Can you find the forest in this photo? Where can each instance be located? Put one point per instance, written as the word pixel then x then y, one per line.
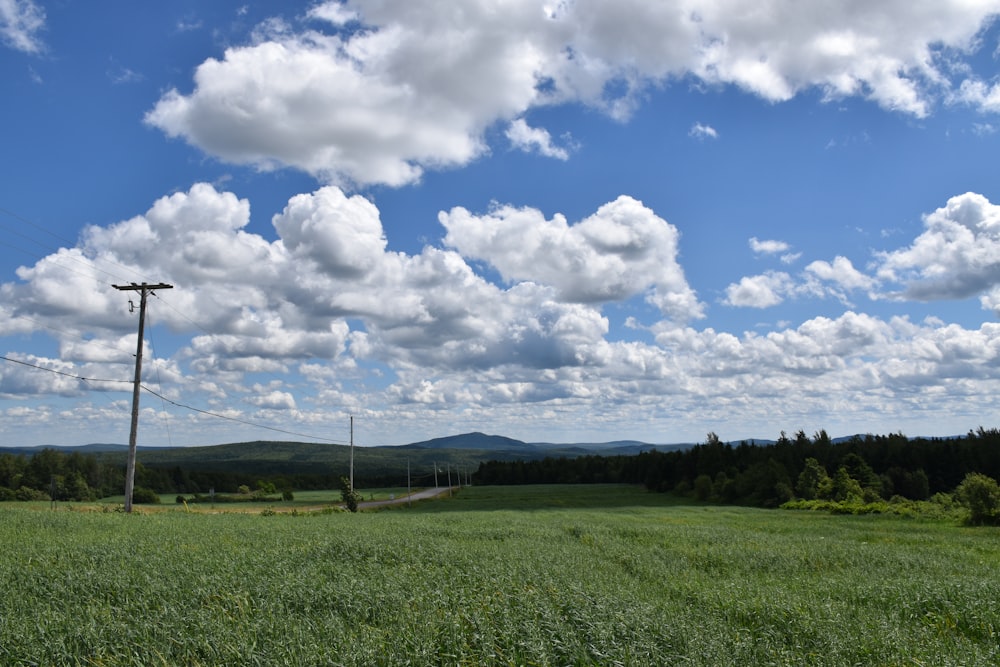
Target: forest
pixel 870 467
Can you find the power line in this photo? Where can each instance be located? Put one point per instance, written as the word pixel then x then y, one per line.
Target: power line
pixel 241 421
pixel 52 370
pixel 70 245
pixel 26 221
pixel 181 405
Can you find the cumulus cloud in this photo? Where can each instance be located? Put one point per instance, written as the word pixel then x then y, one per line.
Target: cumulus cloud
pixel 623 250
pixel 957 255
pixel 531 139
pixel 408 335
pixel 272 400
pixel 819 279
pixel 258 306
pixel 762 291
pixel 768 247
pixel 773 247
pixel 370 92
pixel 840 276
pixel 343 235
pixel 20 23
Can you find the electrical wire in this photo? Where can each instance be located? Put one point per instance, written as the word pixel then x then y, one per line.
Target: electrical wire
pixel 241 421
pixel 92 267
pixel 156 367
pixel 180 405
pixel 52 370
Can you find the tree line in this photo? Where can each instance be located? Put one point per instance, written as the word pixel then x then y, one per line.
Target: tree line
pixel 53 474
pixel 870 467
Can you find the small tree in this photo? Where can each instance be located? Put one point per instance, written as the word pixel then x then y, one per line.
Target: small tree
pixel 350 497
pixel 981 495
pixel 145 496
pixel 845 487
pixel 813 481
pixel 702 487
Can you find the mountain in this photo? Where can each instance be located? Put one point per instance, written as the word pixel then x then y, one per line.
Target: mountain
pixel 473 440
pixel 447 455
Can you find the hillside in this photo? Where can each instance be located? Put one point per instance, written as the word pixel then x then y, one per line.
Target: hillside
pixel 458 453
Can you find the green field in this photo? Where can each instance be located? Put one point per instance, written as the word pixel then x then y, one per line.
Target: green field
pixel 497 575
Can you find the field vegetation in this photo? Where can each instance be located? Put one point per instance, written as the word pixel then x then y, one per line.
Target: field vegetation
pixel 877 470
pixel 526 575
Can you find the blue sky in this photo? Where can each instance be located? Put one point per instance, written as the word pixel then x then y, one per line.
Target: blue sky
pixel 552 220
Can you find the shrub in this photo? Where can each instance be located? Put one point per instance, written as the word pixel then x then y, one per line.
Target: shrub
pixel 24 493
pixel 145 496
pixel 981 495
pixel 350 496
pixel 702 487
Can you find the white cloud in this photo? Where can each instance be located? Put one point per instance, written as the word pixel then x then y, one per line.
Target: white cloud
pixel 534 139
pixel 20 23
pixel 415 337
pixel 699 131
pixel 343 235
pixel 957 256
pixel 20 381
pixel 841 273
pixel 418 86
pixel 819 279
pixel 623 250
pixel 335 13
pixel 256 306
pixel 762 291
pixel 768 247
pixel 979 94
pixel 273 400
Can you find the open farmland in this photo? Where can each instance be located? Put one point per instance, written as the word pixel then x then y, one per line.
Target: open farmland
pixel 497 575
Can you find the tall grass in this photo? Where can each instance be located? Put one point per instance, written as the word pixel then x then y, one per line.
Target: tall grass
pixel 543 576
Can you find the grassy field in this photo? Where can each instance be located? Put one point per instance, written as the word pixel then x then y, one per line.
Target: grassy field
pixel 303 501
pixel 497 576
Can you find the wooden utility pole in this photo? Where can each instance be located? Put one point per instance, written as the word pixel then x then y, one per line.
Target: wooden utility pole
pixel 143 290
pixel 352 453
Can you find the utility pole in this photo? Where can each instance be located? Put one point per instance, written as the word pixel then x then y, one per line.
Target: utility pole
pixel 352 453
pixel 143 290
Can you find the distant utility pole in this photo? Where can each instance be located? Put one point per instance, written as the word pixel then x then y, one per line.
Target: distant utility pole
pixel 143 290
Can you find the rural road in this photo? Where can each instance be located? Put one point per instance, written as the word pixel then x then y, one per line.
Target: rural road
pixel 433 492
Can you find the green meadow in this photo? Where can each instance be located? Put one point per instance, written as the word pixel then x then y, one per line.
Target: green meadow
pixel 542 575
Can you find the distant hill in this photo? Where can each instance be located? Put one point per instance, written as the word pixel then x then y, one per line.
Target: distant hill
pixel 473 440
pixel 457 453
pixel 463 452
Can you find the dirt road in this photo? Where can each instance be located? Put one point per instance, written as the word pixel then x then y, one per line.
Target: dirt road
pixel 433 492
